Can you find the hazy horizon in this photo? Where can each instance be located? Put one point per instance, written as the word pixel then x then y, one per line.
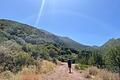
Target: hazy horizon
pixel 88 22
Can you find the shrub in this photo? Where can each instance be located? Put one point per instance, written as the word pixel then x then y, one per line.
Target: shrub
pixel 112 59
pixel 53 53
pixel 23 59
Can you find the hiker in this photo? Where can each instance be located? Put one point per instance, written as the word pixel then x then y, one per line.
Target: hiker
pixel 55 61
pixel 70 65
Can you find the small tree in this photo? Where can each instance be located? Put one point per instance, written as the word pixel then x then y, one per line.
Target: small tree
pixel 53 53
pixel 96 59
pixel 84 56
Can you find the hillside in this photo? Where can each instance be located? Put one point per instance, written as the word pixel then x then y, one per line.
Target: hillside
pixel 111 43
pixel 23 34
pixel 22 44
pixel 73 44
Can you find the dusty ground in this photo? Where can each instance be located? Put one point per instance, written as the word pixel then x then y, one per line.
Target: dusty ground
pixel 62 73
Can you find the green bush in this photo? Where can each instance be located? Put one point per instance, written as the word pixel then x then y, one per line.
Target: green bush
pixel 112 59
pixel 3 36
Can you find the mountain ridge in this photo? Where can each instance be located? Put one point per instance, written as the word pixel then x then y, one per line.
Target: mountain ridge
pixel 28 33
pixel 43 36
pixel 111 43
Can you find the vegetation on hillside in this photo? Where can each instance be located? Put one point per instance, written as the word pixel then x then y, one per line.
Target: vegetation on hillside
pixel 23 45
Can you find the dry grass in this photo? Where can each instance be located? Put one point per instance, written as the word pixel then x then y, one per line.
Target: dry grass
pixel 87 75
pixel 46 67
pixel 102 74
pixel 93 71
pixel 105 75
pixel 29 73
pixel 7 75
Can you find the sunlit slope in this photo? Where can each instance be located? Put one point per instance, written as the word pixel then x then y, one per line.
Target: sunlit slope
pixel 28 34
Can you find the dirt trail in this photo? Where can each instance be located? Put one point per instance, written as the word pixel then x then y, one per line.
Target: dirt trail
pixel 61 73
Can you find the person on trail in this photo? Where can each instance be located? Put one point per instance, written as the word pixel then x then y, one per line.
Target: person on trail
pixel 55 61
pixel 69 65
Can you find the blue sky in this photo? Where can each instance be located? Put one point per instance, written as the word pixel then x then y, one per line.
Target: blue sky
pixel 90 22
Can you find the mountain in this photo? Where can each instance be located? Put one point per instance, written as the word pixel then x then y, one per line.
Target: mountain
pixel 111 43
pixel 23 34
pixel 69 43
pixel 22 44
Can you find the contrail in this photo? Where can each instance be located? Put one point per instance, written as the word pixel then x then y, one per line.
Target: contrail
pixel 40 13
